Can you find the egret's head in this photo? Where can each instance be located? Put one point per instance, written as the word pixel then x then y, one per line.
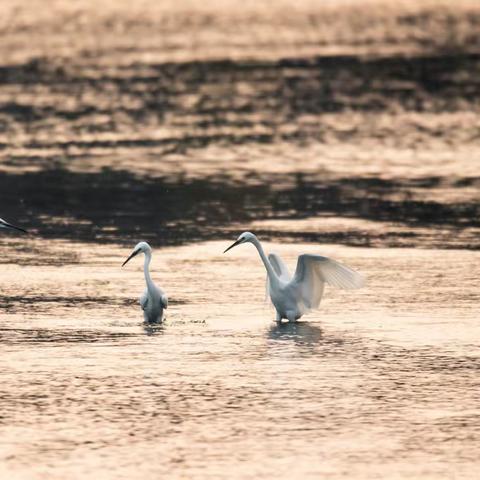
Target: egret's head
pixel 242 238
pixel 4 224
pixel 139 247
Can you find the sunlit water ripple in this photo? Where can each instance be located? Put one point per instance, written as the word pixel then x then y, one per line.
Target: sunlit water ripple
pixel 371 382
pixel 334 129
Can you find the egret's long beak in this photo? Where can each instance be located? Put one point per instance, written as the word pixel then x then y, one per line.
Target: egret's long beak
pixel 136 252
pixel 13 227
pixel 238 242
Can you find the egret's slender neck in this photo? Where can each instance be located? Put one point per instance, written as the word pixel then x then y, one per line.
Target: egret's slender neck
pixel 146 269
pixel 271 272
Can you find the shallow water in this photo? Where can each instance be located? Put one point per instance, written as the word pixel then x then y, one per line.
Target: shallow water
pixel 342 130
pixel 380 382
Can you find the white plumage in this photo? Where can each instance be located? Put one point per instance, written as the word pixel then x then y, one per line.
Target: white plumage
pixel 294 296
pixel 153 300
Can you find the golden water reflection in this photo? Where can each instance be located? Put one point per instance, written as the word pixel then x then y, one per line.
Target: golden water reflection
pixel 378 378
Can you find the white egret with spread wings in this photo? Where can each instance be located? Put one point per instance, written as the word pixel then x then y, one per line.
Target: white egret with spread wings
pixel 154 300
pixel 294 296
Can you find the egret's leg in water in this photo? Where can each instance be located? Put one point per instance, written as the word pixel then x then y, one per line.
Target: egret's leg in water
pixel 291 316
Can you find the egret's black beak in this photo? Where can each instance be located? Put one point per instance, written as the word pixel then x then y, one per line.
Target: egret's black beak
pixel 136 252
pixel 13 227
pixel 238 242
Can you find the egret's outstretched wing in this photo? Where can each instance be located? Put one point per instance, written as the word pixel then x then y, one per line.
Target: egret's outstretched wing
pixel 313 271
pixel 279 266
pixel 280 269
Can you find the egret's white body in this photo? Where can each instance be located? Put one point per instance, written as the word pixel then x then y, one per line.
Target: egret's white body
pixel 4 224
pixel 154 300
pixel 294 296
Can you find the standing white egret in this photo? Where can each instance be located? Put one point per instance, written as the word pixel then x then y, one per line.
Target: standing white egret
pixel 4 224
pixel 154 300
pixel 293 297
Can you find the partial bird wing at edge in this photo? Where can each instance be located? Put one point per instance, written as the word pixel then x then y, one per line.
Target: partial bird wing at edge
pixel 280 269
pixel 313 271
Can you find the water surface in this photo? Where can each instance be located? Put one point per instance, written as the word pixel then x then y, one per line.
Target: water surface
pixel 342 130
pixel 381 380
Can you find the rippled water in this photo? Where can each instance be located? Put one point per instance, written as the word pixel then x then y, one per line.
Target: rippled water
pixel 121 123
pixel 381 382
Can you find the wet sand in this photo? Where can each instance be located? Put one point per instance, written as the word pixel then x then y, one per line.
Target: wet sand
pixel 341 130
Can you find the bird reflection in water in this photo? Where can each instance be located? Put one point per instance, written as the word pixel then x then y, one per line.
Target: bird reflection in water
pixel 152 328
pixel 300 333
